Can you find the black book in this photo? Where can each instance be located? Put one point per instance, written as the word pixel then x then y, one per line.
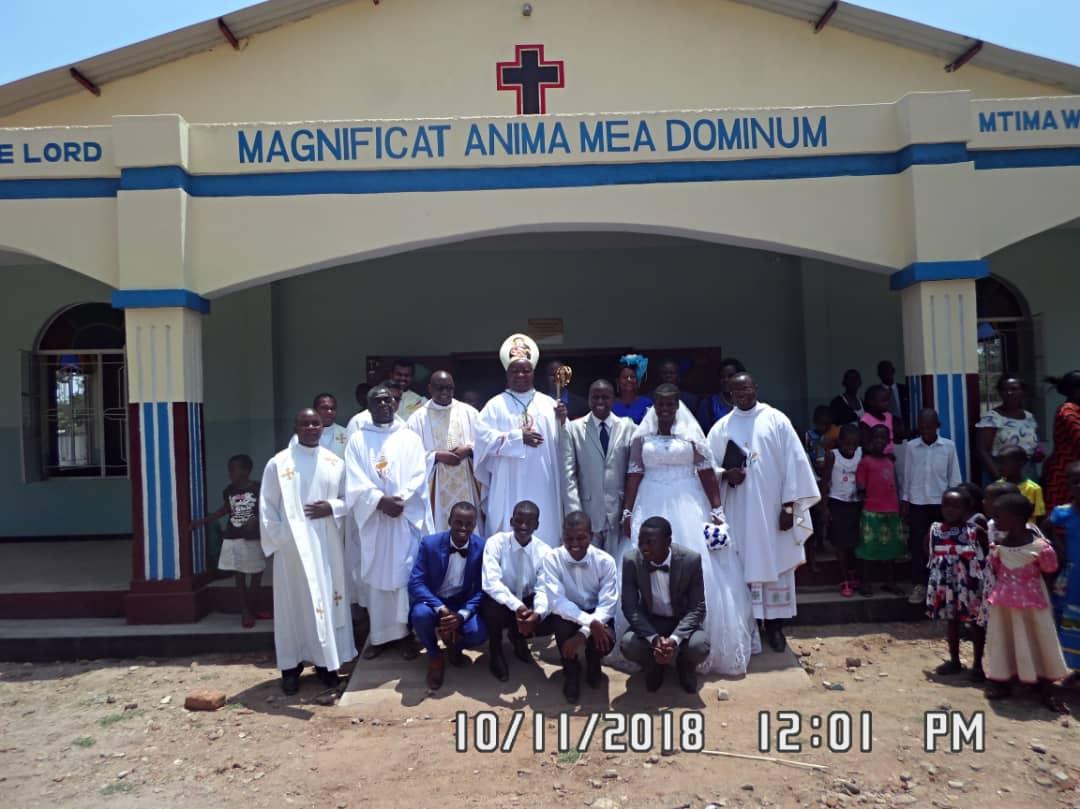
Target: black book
pixel 734 456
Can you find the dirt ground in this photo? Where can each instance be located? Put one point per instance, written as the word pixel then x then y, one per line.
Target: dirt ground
pixel 115 734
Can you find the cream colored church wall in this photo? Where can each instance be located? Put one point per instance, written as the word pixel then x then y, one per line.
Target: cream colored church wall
pixel 412 58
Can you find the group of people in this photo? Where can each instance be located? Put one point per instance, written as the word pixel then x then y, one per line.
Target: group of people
pixel 979 556
pixel 641 536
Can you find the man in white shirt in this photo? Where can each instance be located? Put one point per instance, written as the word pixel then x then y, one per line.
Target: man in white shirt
pixel 931 467
pixel 581 586
pixel 445 593
pixel 513 599
pixel 663 599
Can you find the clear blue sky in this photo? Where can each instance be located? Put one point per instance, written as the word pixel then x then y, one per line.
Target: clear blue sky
pixel 42 34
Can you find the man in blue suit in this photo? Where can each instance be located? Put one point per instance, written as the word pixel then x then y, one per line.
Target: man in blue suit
pixel 445 589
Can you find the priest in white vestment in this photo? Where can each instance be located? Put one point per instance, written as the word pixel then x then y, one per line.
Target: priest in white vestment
pixel 334 437
pixel 301 507
pixel 517 445
pixel 447 427
pixel 386 494
pixel 767 487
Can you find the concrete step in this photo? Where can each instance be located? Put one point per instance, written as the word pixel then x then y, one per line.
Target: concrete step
pixel 823 605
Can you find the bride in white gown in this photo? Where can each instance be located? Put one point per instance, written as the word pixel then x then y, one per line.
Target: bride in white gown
pixel 671 476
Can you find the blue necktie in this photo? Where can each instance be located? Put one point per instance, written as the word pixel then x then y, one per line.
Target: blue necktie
pixel 604 437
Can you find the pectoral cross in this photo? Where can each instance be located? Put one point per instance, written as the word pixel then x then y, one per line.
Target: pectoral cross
pixel 289 473
pixel 337 598
pixel 341 438
pixel 320 611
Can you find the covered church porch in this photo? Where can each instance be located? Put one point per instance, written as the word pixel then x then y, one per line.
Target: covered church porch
pixel 797 322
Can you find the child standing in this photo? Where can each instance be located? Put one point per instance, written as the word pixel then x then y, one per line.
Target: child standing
pixel 877 414
pixel 881 534
pixel 931 468
pixel 1021 635
pixel 1012 461
pixel 841 507
pixel 817 442
pixel 956 551
pixel 1065 521
pixel 240 548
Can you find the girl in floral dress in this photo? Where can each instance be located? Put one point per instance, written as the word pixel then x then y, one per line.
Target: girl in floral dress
pixel 956 553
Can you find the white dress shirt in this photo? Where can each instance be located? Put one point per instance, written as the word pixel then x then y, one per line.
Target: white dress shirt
pixel 581 592
pixel 929 469
pixel 661 588
pixel 512 571
pixel 454 580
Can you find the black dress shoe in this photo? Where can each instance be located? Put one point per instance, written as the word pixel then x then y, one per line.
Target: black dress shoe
pixel 330 679
pixel 654 677
pixel 774 634
pixel 571 681
pixel 497 663
pixel 409 648
pixel 521 650
pixel 290 681
pixel 688 678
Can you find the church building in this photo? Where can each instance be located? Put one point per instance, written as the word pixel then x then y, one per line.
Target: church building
pixel 201 231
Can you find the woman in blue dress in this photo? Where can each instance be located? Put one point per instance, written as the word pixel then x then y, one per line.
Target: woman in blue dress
pixel 1065 521
pixel 628 401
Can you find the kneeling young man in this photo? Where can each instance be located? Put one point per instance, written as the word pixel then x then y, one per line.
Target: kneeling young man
pixel 582 590
pixel 663 598
pixel 445 592
pixel 513 598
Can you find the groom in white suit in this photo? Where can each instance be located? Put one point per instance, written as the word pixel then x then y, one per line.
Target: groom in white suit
pixel 596 451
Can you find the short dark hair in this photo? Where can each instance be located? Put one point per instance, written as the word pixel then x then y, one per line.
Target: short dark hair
pixel 961 492
pixel 1015 504
pixel 1006 378
pixel 403 363
pixel 318 396
pixel 378 389
pixel 1066 384
pixel 243 460
pixel 666 389
pixel 850 372
pixel 874 390
pixel 603 383
pixel 732 363
pixel 527 505
pixel 1014 451
pixel 999 488
pixel 878 427
pixel 849 429
pixel 882 365
pixel 657 524
pixel 463 505
pixel 577 518
pixel 361 391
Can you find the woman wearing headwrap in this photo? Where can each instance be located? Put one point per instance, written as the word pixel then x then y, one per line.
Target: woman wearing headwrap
pixel 629 403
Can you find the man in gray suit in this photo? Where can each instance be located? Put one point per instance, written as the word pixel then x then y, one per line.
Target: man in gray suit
pixel 596 451
pixel 663 598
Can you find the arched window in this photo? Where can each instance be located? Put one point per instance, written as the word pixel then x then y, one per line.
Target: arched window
pixel 75 389
pixel 1006 338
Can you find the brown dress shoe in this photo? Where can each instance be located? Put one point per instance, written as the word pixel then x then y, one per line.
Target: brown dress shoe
pixel 436 671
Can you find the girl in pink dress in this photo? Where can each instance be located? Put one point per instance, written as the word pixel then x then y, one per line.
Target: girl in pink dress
pixel 1021 639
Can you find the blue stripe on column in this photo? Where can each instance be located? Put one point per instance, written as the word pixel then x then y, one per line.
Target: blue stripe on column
pixel 150 498
pixel 165 476
pixel 198 495
pixel 915 404
pixel 159 299
pixel 192 499
pixel 959 415
pixel 937 271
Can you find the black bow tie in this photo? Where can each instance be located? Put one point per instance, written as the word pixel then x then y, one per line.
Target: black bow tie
pixel 463 551
pixel 659 568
